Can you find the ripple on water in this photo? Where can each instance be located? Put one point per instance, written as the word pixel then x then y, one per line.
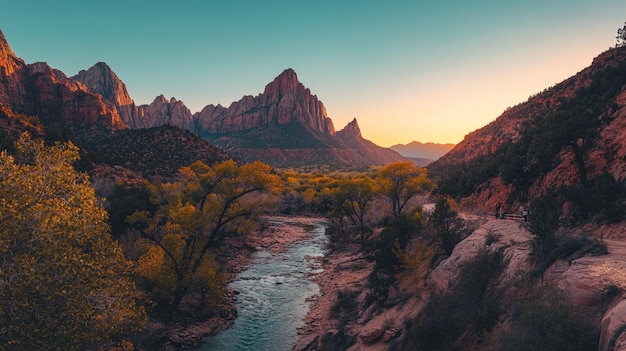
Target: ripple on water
pixel 275 293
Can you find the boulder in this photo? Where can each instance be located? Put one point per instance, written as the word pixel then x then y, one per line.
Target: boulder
pixel 372 335
pixel 390 334
pixel 612 328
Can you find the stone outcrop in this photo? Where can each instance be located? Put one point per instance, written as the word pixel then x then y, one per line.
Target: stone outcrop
pixel 9 62
pixel 612 336
pixel 100 79
pixel 172 112
pixel 284 100
pixel 351 138
pixel 495 235
pixel 39 90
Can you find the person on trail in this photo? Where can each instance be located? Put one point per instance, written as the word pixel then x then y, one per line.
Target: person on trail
pixel 498 206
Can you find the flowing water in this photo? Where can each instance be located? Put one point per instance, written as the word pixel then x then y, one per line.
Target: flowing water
pixel 273 297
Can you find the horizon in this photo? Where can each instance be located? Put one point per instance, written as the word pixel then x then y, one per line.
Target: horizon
pixel 407 72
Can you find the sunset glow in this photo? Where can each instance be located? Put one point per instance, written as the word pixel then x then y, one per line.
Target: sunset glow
pixel 408 71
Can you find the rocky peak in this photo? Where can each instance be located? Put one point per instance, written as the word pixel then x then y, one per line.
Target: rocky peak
pixel 39 90
pixel 286 83
pixel 101 79
pixel 9 62
pixel 172 112
pixel 351 129
pixel 284 100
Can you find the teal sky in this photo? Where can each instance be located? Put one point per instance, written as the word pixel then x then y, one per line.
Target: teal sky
pixel 407 70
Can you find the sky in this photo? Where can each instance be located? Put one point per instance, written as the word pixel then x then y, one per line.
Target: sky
pixel 428 71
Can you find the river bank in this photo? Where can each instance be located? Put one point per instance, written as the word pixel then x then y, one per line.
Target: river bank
pixel 276 235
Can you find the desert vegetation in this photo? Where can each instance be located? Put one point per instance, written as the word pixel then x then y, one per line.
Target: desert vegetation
pixel 161 252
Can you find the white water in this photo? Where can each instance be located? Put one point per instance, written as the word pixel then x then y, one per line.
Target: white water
pixel 273 298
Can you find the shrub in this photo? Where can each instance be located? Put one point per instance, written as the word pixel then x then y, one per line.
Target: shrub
pixel 346 305
pixel 385 248
pixel 547 321
pixel 471 305
pixel 449 228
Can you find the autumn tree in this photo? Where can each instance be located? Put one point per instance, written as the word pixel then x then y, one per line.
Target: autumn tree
pixel 400 182
pixel 194 214
pixel 64 283
pixel 352 199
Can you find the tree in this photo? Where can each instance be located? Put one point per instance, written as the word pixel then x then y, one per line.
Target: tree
pixel 400 182
pixel 543 223
pixel 352 200
pixel 64 283
pixel 447 224
pixel 621 36
pixel 194 214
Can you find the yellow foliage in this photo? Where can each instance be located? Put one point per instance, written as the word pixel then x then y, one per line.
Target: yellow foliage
pixel 193 215
pixel 64 283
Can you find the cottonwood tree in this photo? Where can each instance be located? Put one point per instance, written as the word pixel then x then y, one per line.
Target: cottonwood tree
pixel 400 182
pixel 352 199
pixel 64 283
pixel 194 214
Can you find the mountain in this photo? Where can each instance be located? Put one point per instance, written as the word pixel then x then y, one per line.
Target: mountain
pixel 284 100
pixel 39 90
pixel 287 126
pixel 570 138
pixel 94 110
pixel 100 79
pixel 283 125
pixel 416 149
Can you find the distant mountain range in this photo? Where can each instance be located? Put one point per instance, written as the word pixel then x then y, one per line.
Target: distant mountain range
pixel 425 152
pixel 285 125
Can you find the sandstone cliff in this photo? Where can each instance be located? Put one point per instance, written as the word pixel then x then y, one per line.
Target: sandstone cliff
pixel 284 100
pixel 171 112
pixel 100 79
pixel 39 90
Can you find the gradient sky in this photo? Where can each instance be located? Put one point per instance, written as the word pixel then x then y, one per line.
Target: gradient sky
pixel 429 71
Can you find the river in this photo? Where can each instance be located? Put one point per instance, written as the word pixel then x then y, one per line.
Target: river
pixel 273 296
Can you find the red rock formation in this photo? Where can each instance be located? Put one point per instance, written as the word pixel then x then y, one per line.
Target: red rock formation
pixel 284 100
pixel 9 62
pixel 351 138
pixel 41 91
pixel 172 112
pixel 101 79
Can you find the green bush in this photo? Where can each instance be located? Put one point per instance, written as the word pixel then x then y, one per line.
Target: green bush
pixel 396 235
pixel 449 228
